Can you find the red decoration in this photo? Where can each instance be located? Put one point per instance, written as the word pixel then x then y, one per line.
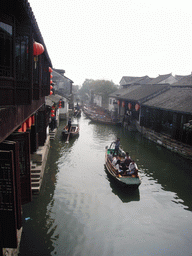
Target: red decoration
pixel 29 122
pixel 33 119
pixel 24 127
pixel 137 107
pixel 51 92
pixel 52 115
pixel 129 106
pixel 51 81
pixel 52 111
pixel 50 69
pixel 38 49
pixel 51 76
pixel 51 87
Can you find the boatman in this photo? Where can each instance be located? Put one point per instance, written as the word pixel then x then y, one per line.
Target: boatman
pixel 117 145
pixel 69 124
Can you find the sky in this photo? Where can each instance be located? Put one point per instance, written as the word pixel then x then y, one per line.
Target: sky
pixel 109 39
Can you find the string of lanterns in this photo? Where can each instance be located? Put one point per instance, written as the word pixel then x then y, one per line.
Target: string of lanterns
pixel 51 76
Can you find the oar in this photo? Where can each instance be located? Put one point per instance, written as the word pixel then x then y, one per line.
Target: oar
pixel 67 141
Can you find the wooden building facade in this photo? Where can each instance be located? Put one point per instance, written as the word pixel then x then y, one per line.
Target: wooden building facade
pixel 24 83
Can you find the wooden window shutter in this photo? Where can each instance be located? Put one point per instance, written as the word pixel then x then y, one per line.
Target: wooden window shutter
pixel 23 139
pixel 14 146
pixel 8 223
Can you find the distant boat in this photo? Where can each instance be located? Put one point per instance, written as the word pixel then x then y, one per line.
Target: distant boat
pixel 77 112
pixel 74 131
pixel 125 181
pixel 99 116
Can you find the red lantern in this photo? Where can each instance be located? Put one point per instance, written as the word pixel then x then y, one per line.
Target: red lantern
pixel 38 49
pixel 29 122
pixel 51 87
pixel 33 120
pixel 129 106
pixel 123 104
pixel 50 70
pixel 52 115
pixel 137 107
pixel 51 76
pixel 51 92
pixel 24 127
pixel 51 81
pixel 52 111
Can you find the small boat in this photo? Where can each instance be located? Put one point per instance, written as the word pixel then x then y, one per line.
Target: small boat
pixel 74 131
pixel 125 181
pixel 102 119
pixel 77 112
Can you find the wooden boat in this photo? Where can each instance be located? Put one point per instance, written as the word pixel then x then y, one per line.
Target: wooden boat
pixel 99 116
pixel 102 119
pixel 74 131
pixel 77 113
pixel 125 181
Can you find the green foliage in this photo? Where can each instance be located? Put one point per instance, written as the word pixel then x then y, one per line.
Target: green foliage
pixel 103 87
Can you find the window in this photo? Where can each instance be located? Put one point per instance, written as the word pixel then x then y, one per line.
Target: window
pixel 21 54
pixel 6 49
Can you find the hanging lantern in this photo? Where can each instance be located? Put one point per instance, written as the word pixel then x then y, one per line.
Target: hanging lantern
pixel 33 119
pixel 137 107
pixel 51 76
pixel 123 104
pixel 38 49
pixel 52 111
pixel 51 81
pixel 51 92
pixel 129 106
pixel 50 70
pixel 29 122
pixel 51 87
pixel 24 127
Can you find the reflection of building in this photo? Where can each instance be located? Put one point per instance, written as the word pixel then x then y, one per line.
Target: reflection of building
pixel 24 83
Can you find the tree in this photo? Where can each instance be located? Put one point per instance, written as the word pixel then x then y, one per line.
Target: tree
pixel 102 87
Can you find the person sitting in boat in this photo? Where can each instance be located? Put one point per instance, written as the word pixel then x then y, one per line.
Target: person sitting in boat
pixel 69 124
pixel 117 145
pixel 114 161
pixel 125 164
pixel 118 166
pixel 110 156
pixel 133 169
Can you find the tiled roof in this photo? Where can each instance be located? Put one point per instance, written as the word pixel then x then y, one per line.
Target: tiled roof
pixel 176 99
pixel 184 81
pixel 160 78
pixel 119 93
pixel 141 93
pixel 134 79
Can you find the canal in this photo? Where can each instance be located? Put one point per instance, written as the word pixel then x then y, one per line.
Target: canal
pixel 81 212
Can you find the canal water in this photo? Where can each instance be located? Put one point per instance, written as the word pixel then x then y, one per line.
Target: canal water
pixel 81 212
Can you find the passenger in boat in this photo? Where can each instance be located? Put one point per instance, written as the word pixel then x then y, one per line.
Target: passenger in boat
pixel 69 124
pixel 114 161
pixel 117 145
pixel 133 169
pixel 125 164
pixel 110 156
pixel 118 166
